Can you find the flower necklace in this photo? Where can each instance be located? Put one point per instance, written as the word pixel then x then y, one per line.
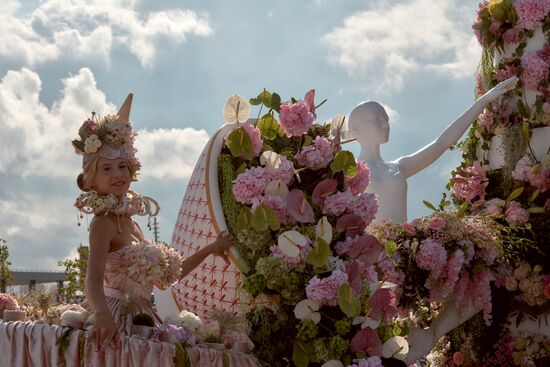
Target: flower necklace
pixel 128 204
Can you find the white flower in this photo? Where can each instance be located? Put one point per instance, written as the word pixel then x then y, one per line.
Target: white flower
pixel 333 363
pixel 366 322
pixel 373 287
pixel 190 321
pixel 70 316
pixel 92 144
pixel 276 188
pixel 290 242
pixel 396 347
pixel 336 263
pixel 236 109
pixel 306 310
pixel 323 230
pixel 338 123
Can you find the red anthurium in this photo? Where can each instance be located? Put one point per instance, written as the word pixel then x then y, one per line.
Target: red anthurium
pixel 322 190
pixel 309 98
pixel 366 341
pixel 355 270
pixel 366 249
pixel 298 207
pixel 383 305
pixel 352 224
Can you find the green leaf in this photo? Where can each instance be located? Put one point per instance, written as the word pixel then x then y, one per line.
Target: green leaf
pixel 534 196
pixel 240 144
pixel 537 269
pixel 349 304
pixel 516 193
pixel 319 255
pixel 308 140
pixel 536 210
pixel 390 247
pixel 526 131
pixel 269 127
pixel 462 209
pixel 429 205
pixel 522 110
pixel 275 102
pixel 344 161
pixel 264 217
pixel 242 168
pixel 245 215
pixel 300 355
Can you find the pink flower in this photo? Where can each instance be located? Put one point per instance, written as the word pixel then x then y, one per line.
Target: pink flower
pixel 298 207
pixel 369 362
pixel 437 223
pixel 365 248
pixel 88 128
pixel 323 189
pixel 383 305
pixel 486 119
pixel 296 118
pixel 494 207
pixel 316 156
pixel 8 302
pixel 366 341
pixel 408 228
pixel 515 214
pixel 325 291
pixel 278 205
pixel 256 137
pixel 337 203
pixel 285 172
pixel 431 256
pixel 547 290
pixel 366 206
pixel 470 182
pixel 249 186
pixel 352 224
pixel 310 100
pixel 522 169
pixel 510 36
pixel 458 358
pixel 530 13
pixel 358 184
pixel 535 71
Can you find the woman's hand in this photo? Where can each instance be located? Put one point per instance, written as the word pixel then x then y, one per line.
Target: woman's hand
pixel 500 89
pixel 104 331
pixel 223 243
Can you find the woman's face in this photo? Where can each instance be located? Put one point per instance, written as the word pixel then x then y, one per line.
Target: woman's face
pixel 112 176
pixel 370 123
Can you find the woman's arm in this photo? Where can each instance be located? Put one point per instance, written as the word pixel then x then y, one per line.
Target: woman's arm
pixel 416 162
pixel 218 248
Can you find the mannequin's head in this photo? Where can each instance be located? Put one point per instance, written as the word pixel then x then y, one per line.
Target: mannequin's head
pixel 368 123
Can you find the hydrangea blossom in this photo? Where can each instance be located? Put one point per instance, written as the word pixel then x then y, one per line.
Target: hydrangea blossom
pixel 530 13
pixel 431 256
pixel 515 214
pixel 336 204
pixel 249 185
pixel 325 291
pixel 316 156
pixel 470 182
pixel 296 118
pixel 358 184
pixel 256 137
pixel 535 70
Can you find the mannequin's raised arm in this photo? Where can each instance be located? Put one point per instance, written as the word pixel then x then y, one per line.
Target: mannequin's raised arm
pixel 416 162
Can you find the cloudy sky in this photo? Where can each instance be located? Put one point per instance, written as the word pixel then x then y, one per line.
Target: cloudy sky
pixel 61 59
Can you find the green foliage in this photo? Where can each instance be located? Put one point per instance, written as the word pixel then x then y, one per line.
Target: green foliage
pixel 268 99
pixel 264 217
pixel 240 144
pixel 271 336
pixel 344 161
pixel 75 273
pixel 307 329
pixel 231 209
pixel 254 284
pixel 349 304
pixel 143 319
pixel 342 326
pixel 269 126
pixel 4 265
pixel 318 257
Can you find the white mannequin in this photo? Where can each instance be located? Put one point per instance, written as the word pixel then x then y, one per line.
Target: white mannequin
pixel 368 123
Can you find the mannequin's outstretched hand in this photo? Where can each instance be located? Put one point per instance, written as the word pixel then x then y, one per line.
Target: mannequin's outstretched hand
pixel 501 88
pixel 223 243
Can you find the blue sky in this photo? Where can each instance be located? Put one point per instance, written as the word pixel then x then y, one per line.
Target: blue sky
pixel 60 60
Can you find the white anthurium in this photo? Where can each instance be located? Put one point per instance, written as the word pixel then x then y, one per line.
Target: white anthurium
pixel 290 242
pixel 333 363
pixel 276 188
pixel 323 230
pixel 236 109
pixel 373 287
pixel 307 310
pixel 395 347
pixel 271 161
pixel 366 322
pixel 338 122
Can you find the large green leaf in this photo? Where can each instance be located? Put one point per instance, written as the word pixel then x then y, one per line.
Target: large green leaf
pixel 429 205
pixel 516 193
pixel 318 257
pixel 349 304
pixel 262 98
pixel 300 355
pixel 390 247
pixel 269 127
pixel 264 217
pixel 240 144
pixel 344 161
pixel 245 215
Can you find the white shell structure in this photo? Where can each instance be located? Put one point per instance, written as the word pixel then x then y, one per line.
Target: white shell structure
pixel 213 285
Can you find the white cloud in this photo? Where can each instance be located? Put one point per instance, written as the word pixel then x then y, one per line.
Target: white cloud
pixel 390 41
pixel 88 30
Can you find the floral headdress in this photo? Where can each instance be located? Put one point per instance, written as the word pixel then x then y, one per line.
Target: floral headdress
pixel 110 137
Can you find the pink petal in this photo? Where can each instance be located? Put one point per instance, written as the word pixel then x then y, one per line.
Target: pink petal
pixel 366 341
pixel 366 249
pixel 355 270
pixel 309 98
pixel 322 190
pixel 298 207
pixel 352 224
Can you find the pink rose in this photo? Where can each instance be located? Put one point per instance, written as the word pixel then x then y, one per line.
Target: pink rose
pixel 515 214
pixel 458 358
pixel 437 223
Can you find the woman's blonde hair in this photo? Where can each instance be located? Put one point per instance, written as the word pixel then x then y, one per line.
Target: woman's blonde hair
pixel 89 170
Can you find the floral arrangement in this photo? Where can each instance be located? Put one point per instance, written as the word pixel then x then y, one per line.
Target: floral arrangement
pixel 8 302
pixel 108 133
pixel 54 314
pixel 150 262
pixel 296 203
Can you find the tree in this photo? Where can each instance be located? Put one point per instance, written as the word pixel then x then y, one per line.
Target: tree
pixel 75 273
pixel 4 265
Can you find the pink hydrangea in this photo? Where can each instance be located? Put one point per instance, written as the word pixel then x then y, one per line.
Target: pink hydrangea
pixel 8 302
pixel 431 256
pixel 366 206
pixel 442 285
pixel 470 182
pixel 292 262
pixel 296 118
pixel 325 291
pixel 316 156
pixel 437 223
pixel 486 119
pixel 530 13
pixel 342 247
pixel 369 362
pixel 249 186
pixel 510 36
pixel 285 172
pixel 535 71
pixel 408 228
pixel 515 214
pixel 358 184
pixel 256 137
pixel 522 169
pixel 88 128
pixel 493 207
pixel 503 74
pixel 278 205
pixel 336 204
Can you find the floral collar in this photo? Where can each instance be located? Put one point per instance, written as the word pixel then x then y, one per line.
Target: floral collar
pixel 129 204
